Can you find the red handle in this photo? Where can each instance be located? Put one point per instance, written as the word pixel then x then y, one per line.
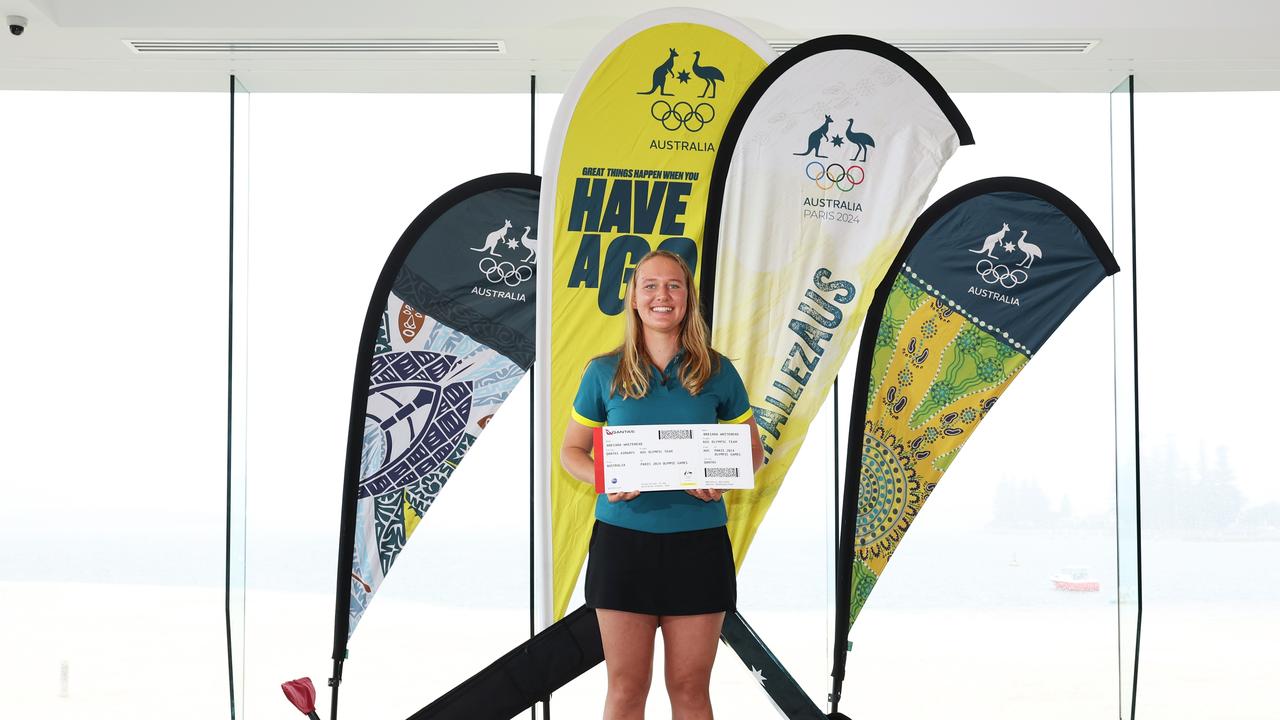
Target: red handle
pixel 302 694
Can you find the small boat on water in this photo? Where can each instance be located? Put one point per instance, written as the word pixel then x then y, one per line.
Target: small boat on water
pixel 1075 579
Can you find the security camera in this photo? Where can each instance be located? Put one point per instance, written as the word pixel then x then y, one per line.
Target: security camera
pixel 17 25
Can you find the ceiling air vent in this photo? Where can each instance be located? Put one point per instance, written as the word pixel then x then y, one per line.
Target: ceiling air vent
pixel 978 47
pixel 430 46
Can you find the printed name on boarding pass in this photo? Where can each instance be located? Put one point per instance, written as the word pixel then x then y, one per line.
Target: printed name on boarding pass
pixel 673 457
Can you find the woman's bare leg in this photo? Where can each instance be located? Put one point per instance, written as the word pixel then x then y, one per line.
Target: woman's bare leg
pixel 628 657
pixel 690 651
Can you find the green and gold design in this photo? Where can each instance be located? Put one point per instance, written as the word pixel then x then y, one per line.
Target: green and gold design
pixel 934 376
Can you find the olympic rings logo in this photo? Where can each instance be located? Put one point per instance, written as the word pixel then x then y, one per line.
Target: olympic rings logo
pixel 835 175
pixel 993 273
pixel 682 114
pixel 504 272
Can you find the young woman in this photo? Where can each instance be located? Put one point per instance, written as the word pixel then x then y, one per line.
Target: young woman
pixel 659 559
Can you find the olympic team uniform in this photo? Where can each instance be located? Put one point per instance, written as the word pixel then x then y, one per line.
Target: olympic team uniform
pixel 662 553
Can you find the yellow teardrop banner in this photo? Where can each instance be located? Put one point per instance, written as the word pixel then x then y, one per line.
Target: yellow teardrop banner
pixel 628 170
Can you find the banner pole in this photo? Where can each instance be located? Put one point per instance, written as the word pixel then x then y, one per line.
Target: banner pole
pixel 231 307
pixel 835 459
pixel 848 520
pixel 350 490
pixel 1137 449
pixel 848 510
pixel 347 538
pixel 533 137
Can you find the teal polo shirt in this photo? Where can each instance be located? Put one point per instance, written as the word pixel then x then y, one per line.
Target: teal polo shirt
pixel 723 399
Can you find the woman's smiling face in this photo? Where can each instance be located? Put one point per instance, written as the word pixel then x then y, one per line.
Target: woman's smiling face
pixel 661 297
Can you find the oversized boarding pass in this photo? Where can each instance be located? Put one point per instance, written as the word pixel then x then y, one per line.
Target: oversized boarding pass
pixel 673 457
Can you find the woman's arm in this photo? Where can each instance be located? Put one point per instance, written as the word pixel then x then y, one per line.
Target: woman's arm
pixel 575 456
pixel 575 452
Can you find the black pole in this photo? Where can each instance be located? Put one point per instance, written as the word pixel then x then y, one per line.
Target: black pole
pixel 231 307
pixel 848 521
pixel 533 119
pixel 835 459
pixel 853 472
pixel 853 455
pixel 533 89
pixel 1137 454
pixel 532 489
pixel 352 470
pixel 346 550
pixel 835 492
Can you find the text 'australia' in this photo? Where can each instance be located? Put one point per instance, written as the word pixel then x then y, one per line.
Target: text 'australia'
pixel 833 203
pixel 993 295
pixel 500 294
pixel 682 145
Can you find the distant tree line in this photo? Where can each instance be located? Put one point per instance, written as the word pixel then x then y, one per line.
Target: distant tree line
pixel 1197 499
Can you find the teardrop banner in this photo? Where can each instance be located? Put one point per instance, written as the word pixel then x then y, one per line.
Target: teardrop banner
pixel 824 166
pixel 628 170
pixel 447 335
pixel 987 274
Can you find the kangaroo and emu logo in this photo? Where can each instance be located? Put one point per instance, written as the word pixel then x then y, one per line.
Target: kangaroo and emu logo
pixel 683 114
pixel 998 272
pixel 843 176
pixel 506 272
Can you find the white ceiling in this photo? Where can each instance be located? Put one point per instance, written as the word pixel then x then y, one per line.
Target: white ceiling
pixel 1170 45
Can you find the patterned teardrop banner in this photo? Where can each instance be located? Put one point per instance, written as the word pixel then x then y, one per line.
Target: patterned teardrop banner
pixel 986 275
pixel 447 335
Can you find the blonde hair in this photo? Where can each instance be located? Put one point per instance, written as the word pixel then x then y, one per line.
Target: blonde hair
pixel 631 380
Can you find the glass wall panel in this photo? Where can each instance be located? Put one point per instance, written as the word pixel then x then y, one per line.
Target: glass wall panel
pixel 1210 501
pixel 113 313
pixel 335 181
pixel 966 614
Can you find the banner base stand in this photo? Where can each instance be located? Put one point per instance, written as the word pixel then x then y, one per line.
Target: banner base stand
pixel 526 675
pixel 787 695
pixel 567 649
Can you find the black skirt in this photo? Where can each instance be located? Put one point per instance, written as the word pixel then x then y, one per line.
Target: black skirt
pixel 683 573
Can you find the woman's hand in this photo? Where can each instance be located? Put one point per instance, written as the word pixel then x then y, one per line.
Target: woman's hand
pixel 623 496
pixel 707 495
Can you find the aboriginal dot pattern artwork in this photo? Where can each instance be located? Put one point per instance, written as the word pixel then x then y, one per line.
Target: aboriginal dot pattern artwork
pixel 934 376
pixel 429 388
